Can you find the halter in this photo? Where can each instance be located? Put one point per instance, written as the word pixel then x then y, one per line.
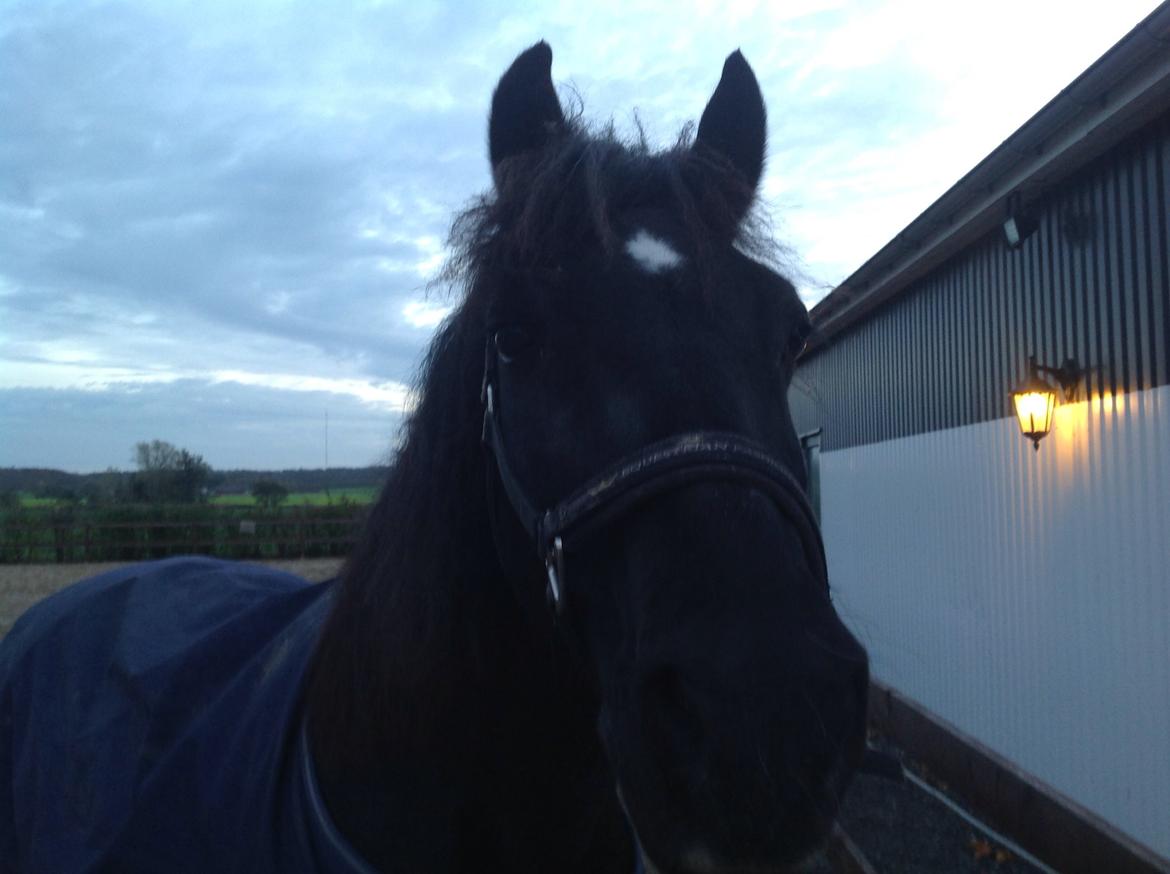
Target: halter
pixel 655 468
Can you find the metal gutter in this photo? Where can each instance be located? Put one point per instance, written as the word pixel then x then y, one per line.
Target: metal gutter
pixel 1122 91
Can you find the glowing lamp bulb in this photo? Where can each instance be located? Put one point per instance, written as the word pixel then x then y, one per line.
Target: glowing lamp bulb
pixel 1035 402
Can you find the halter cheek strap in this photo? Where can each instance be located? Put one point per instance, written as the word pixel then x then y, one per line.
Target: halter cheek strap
pixel 658 467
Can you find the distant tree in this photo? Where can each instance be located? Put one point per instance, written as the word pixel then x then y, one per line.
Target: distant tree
pixel 92 494
pixel 10 500
pixel 156 455
pixel 190 478
pixel 168 473
pixel 59 493
pixel 269 493
pixel 104 488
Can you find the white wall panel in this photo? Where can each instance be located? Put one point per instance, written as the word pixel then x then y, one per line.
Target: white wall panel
pixel 1024 596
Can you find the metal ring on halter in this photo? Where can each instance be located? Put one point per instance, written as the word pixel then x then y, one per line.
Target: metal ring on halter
pixel 554 563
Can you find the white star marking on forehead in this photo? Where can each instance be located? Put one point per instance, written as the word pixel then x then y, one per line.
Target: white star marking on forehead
pixel 652 254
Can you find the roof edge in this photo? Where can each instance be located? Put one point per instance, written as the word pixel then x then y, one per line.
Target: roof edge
pixel 1124 89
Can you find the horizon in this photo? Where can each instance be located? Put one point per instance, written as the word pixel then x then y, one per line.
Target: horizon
pixel 220 470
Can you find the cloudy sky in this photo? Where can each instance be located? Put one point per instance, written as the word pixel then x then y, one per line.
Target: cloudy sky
pixel 217 219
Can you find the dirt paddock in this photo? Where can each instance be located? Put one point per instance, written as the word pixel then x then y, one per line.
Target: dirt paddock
pixel 22 585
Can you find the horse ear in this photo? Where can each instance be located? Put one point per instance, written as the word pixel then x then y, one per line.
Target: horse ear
pixel 525 109
pixel 734 124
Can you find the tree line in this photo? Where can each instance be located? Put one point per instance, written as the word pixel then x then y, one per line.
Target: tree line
pixel 168 474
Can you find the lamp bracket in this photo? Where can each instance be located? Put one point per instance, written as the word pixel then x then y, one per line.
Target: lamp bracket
pixel 1068 375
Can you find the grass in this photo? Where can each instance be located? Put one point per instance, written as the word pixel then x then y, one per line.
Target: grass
pixel 27 500
pixel 355 495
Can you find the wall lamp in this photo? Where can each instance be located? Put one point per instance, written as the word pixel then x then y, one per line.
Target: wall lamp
pixel 1019 224
pixel 1035 400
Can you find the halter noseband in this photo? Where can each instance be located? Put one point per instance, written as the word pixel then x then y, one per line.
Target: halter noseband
pixel 657 467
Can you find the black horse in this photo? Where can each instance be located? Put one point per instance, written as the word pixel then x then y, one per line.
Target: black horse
pixel 589 615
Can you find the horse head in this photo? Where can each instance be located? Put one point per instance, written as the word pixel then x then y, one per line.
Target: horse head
pixel 645 475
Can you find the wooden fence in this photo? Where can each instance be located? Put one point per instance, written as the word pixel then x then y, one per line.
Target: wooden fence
pixel 292 532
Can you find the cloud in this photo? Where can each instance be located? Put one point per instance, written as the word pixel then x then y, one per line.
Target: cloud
pixel 230 423
pixel 198 188
pixel 153 168
pixel 389 396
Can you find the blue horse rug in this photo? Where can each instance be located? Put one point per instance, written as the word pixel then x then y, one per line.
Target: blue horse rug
pixel 151 721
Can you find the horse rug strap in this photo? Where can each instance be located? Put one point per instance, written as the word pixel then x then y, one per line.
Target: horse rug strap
pixel 151 721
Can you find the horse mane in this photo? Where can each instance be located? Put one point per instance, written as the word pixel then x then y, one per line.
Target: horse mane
pixel 415 600
pixel 391 635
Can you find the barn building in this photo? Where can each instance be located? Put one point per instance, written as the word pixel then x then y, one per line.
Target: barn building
pixel 1016 600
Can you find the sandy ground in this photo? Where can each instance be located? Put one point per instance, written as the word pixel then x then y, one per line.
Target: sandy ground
pixel 22 585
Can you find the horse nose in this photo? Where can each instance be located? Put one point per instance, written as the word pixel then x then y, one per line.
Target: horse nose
pixel 686 725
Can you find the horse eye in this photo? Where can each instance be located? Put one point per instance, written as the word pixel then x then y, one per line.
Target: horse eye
pixel 512 342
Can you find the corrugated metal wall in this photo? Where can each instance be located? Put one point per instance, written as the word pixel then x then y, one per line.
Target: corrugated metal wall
pixel 1024 596
pixel 1093 282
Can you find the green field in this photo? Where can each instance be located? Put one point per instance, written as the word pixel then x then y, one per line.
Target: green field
pixel 27 500
pixel 359 495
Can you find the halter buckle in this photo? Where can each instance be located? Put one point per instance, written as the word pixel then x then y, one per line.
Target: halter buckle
pixel 554 563
pixel 489 411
